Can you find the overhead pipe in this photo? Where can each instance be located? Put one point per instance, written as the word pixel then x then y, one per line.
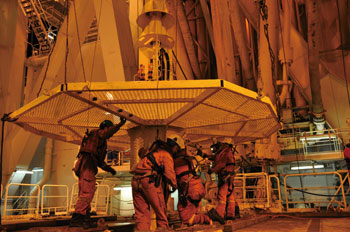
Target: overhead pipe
pixel 203 59
pixel 273 29
pixel 286 54
pixel 183 69
pixel 299 102
pixel 344 18
pixel 36 61
pixel 216 38
pixel 188 39
pixel 227 43
pixel 223 38
pixel 265 83
pixel 237 26
pixel 313 35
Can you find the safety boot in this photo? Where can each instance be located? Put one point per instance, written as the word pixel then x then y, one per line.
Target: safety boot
pixel 237 213
pixel 214 215
pixel 76 220
pixel 86 221
pixel 230 218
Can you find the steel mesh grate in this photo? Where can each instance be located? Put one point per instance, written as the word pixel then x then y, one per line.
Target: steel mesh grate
pixel 200 107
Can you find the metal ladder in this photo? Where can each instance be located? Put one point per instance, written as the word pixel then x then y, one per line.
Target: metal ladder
pixel 34 11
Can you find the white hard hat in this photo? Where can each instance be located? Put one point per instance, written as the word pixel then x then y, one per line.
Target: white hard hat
pixel 178 139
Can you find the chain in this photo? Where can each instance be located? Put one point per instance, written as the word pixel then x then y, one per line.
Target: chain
pixel 263 10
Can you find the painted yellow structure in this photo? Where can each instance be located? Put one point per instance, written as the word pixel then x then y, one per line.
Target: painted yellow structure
pixel 200 108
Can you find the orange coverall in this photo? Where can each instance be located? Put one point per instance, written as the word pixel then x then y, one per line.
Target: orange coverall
pixel 223 166
pixel 193 190
pixel 92 154
pixel 146 194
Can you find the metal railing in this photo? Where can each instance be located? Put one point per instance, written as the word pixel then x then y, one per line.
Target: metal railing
pixel 334 200
pixel 100 203
pixel 73 197
pixel 320 194
pixel 313 142
pixel 276 198
pixel 25 210
pixel 255 190
pixel 46 209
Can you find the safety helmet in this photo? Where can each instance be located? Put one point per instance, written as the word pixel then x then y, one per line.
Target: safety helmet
pixel 106 123
pixel 215 147
pixel 178 139
pixel 172 142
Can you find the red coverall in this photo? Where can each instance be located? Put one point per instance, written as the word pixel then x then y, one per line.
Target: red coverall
pixel 347 157
pixel 146 194
pixel 193 190
pixel 92 154
pixel 223 166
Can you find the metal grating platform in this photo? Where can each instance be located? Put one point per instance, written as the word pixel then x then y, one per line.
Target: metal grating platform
pixel 198 107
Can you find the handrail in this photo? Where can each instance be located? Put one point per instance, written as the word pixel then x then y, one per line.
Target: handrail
pixel 249 188
pixel 94 204
pixel 59 196
pixel 278 188
pixel 312 174
pixel 36 209
pixel 73 194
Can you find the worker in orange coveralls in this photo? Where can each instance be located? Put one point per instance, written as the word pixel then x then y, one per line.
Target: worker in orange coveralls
pixel 224 166
pixel 191 190
pixel 92 153
pixel 152 176
pixel 347 156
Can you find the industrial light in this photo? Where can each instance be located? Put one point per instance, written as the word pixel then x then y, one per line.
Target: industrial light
pixel 307 167
pixel 121 188
pixel 109 96
pixel 38 170
pixel 24 171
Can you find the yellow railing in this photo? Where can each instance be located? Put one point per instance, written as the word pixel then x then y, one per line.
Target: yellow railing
pixel 100 202
pixel 255 187
pixel 26 210
pixel 47 208
pixel 315 201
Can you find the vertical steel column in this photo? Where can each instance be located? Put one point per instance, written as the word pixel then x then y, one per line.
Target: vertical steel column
pixel 238 29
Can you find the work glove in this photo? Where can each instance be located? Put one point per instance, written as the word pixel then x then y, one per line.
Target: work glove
pixel 122 120
pixel 113 172
pixel 173 188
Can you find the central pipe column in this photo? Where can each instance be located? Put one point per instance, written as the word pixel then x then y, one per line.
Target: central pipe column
pixel 313 35
pixel 144 136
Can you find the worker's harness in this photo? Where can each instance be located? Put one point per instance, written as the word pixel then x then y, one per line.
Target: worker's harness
pixel 156 174
pixel 184 186
pixel 225 177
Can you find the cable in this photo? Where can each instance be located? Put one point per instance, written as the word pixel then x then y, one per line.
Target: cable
pixel 81 55
pixel 93 59
pixel 342 51
pixel 67 51
pixel 315 194
pixel 264 15
pixel 183 73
